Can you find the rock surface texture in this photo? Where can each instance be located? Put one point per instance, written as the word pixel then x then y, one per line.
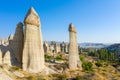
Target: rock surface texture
pixel 33 53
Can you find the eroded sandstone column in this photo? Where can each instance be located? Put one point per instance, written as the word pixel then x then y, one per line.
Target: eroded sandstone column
pixel 17 45
pixel 74 60
pixel 33 53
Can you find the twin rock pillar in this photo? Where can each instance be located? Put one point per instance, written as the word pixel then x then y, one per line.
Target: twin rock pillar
pixel 31 58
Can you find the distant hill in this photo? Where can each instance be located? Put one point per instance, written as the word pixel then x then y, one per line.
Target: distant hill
pixel 113 46
pixel 93 45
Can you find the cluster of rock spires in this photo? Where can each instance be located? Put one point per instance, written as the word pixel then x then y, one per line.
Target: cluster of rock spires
pixel 49 47
pixel 26 46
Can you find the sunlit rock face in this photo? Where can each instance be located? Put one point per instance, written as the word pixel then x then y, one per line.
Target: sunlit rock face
pixel 6 58
pixel 74 60
pixel 33 52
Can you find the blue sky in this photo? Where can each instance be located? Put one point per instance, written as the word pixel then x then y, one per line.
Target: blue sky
pixel 95 20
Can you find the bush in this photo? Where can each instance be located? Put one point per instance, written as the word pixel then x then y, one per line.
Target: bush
pixel 59 57
pixel 42 77
pixel 13 68
pixel 98 64
pixel 63 77
pixel 79 78
pixel 48 57
pixel 30 78
pixel 87 66
pixel 81 58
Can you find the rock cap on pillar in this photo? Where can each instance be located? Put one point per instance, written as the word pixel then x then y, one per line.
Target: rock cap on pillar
pixel 72 28
pixel 20 24
pixel 32 18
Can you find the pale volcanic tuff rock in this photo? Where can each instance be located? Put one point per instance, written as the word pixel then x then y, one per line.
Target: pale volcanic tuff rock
pixel 74 60
pixel 17 44
pixel 10 52
pixel 7 58
pixel 33 52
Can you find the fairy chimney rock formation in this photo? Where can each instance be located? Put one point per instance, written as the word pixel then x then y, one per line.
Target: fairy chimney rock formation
pixel 33 52
pixel 74 60
pixel 17 44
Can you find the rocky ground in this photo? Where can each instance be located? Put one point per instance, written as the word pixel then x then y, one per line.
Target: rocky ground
pixel 59 71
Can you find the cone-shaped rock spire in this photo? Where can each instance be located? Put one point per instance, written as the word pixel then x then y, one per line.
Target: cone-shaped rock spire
pixel 17 45
pixel 33 53
pixel 74 60
pixel 32 18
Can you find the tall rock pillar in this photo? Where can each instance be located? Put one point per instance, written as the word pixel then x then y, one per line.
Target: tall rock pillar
pixel 73 49
pixel 17 45
pixel 33 52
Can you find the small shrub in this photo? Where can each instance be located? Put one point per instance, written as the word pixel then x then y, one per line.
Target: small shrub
pixel 13 68
pixel 42 77
pixel 30 78
pixel 59 57
pixel 66 64
pixel 48 57
pixel 98 64
pixel 87 66
pixel 88 76
pixel 106 64
pixel 63 77
pixel 81 58
pixel 79 78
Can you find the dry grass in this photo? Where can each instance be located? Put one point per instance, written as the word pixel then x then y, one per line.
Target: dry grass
pixel 105 72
